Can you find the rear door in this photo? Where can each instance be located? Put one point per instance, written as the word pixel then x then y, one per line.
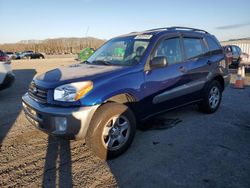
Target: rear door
pixel 198 62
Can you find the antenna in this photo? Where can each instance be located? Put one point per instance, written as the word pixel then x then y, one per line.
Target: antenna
pixel 87 31
pixel 86 34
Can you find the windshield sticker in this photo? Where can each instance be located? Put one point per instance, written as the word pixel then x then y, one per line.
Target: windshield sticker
pixel 143 36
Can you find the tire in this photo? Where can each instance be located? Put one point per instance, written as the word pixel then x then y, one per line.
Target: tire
pixel 107 139
pixel 212 97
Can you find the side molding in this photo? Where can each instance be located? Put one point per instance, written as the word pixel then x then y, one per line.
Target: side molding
pixel 179 91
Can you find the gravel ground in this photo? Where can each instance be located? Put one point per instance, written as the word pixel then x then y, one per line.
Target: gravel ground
pixel 181 148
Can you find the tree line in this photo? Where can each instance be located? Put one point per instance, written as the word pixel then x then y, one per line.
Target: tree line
pixel 54 46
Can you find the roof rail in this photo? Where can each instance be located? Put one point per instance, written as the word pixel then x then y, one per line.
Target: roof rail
pixel 187 28
pixel 178 28
pixel 157 29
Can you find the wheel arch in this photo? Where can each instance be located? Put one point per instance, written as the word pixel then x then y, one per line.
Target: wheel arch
pixel 220 79
pixel 125 99
pixel 122 98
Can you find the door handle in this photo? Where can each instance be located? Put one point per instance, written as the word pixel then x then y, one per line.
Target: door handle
pixel 182 69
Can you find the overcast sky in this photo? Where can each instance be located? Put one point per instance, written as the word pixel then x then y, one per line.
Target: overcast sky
pixel 42 19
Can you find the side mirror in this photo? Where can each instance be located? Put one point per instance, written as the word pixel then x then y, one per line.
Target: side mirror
pixel 158 62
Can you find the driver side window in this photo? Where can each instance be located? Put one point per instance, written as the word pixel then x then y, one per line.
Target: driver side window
pixel 171 49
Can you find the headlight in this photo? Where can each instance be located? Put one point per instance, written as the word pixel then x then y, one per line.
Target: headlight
pixel 72 92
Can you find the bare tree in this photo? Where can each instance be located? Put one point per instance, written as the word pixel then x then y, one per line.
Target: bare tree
pixel 55 46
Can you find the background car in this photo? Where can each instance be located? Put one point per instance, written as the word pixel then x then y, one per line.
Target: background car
pixel 34 55
pixel 6 75
pixel 4 57
pixel 18 55
pixel 236 53
pixel 11 55
pixel 24 54
pixel 229 54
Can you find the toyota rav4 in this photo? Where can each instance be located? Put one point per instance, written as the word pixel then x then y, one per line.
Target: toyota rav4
pixel 127 80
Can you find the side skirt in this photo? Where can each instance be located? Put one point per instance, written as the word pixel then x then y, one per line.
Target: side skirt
pixel 166 110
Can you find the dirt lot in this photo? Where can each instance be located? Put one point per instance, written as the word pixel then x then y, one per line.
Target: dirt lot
pixel 194 150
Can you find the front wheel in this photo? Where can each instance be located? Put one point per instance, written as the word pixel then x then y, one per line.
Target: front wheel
pixel 212 97
pixel 111 130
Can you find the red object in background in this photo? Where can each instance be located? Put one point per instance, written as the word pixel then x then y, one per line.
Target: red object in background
pixel 4 57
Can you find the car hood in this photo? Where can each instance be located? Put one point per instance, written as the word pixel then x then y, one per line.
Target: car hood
pixel 77 72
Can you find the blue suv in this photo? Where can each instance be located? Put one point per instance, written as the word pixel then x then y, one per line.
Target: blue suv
pixel 129 79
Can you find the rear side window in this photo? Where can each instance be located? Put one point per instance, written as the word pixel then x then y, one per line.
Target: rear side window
pixel 171 49
pixel 212 44
pixel 193 47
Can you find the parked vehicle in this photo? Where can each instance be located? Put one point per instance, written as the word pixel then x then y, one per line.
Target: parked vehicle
pixel 229 54
pixel 34 55
pixel 4 57
pixel 6 75
pixel 129 79
pixel 236 53
pixel 24 54
pixel 18 55
pixel 11 55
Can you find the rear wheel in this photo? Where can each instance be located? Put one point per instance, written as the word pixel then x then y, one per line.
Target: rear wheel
pixel 212 97
pixel 111 130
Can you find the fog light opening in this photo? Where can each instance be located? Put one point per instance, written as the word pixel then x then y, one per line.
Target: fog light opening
pixel 61 123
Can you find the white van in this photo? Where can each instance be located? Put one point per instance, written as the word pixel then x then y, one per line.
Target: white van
pixel 6 75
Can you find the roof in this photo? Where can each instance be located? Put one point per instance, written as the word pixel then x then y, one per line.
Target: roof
pixel 166 30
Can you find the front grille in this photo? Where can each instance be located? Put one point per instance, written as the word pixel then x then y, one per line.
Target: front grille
pixel 37 93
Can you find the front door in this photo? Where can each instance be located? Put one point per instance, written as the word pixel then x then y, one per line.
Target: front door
pixel 165 83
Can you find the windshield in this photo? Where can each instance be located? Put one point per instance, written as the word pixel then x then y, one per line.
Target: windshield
pixel 125 51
